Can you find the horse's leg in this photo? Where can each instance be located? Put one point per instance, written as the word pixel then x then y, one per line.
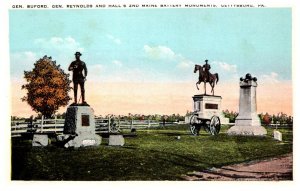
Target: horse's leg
pixel 204 88
pixel 212 84
pixel 197 85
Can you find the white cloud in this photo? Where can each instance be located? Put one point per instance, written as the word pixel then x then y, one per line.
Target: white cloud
pixel 114 39
pixel 164 53
pixel 226 71
pixel 67 44
pixel 159 53
pixel 185 64
pixel 225 66
pixel 23 58
pixel 61 49
pixel 269 78
pixel 20 62
pixel 117 63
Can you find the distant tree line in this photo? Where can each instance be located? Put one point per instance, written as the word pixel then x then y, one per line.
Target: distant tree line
pixel 265 118
pixel 155 117
pixel 280 119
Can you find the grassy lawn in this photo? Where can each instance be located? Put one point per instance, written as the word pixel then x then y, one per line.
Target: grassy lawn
pixel 153 154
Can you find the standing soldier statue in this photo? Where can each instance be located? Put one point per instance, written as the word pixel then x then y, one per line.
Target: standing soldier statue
pixel 78 67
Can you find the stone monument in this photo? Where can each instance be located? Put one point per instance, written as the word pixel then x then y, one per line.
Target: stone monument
pixel 247 122
pixel 209 105
pixel 79 127
pixel 207 112
pixel 206 105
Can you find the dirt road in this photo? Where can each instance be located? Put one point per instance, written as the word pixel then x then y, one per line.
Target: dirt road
pixel 280 168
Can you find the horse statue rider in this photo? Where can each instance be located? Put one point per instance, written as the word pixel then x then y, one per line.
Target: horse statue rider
pixel 206 68
pixel 206 77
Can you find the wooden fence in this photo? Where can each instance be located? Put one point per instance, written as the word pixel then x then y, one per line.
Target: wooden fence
pixel 103 125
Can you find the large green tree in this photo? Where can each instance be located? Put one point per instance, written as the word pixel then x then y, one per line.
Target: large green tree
pixel 47 87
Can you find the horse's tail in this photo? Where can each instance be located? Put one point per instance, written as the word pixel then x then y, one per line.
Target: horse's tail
pixel 217 76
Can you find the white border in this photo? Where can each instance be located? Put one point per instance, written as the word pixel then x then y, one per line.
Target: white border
pixel 6 184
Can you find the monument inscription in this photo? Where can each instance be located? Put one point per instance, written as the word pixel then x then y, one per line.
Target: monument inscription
pixel 85 120
pixel 211 106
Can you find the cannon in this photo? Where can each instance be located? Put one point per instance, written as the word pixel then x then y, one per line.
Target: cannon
pixel 212 125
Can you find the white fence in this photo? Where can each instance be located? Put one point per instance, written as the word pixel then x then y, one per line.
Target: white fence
pixel 56 125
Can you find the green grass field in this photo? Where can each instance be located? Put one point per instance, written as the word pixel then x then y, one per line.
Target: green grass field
pixel 153 154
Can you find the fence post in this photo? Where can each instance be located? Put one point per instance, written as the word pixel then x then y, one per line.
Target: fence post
pixel 108 124
pixel 42 125
pixel 149 124
pixel 119 122
pixel 131 124
pixel 55 120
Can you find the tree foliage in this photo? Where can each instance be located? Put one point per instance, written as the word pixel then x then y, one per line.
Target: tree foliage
pixel 47 87
pixel 231 115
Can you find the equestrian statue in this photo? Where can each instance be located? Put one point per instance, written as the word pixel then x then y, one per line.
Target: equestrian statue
pixel 206 77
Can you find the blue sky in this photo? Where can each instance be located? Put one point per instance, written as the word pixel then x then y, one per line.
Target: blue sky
pixel 156 45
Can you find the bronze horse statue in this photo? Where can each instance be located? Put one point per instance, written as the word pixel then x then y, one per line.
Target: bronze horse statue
pixel 212 79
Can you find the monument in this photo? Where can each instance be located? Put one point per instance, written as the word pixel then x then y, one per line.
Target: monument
pixel 207 108
pixel 206 77
pixel 247 122
pixel 79 126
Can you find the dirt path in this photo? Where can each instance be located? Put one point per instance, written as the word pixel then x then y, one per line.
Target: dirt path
pixel 279 168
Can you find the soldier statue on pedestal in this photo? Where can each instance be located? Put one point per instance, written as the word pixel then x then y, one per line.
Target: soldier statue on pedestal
pixel 78 67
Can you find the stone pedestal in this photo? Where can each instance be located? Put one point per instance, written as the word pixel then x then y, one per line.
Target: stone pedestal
pixel 207 106
pixel 247 122
pixel 79 127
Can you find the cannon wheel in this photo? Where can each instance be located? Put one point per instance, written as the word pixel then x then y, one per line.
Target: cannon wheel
pixel 215 125
pixel 194 127
pixel 113 127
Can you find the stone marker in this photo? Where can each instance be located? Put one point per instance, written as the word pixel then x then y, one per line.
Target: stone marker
pixel 247 122
pixel 40 140
pixel 116 140
pixel 277 135
pixel 79 128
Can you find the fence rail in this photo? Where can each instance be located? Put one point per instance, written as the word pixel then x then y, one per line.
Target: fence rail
pixel 56 125
pixel 103 125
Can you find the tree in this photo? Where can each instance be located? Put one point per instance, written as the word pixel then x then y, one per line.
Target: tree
pixel 47 87
pixel 266 119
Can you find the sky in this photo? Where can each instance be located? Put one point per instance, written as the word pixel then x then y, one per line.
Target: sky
pixel 141 60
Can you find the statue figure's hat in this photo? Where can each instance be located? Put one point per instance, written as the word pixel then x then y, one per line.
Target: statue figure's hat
pixel 78 53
